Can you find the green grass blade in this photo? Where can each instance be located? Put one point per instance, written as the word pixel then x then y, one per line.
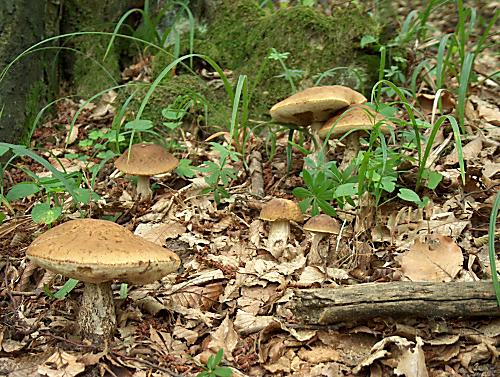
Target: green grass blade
pixel 491 246
pixel 167 69
pixel 462 89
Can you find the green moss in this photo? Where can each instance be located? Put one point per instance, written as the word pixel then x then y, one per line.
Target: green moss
pixel 87 69
pixel 241 35
pixel 216 101
pixel 37 95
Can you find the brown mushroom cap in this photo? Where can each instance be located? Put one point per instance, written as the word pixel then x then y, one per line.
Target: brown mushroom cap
pixel 97 251
pixel 322 224
pixel 315 104
pixel 281 209
pixel 146 159
pixel 359 117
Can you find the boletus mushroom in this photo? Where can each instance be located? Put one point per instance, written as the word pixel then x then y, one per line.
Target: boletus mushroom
pixel 279 212
pixel 320 226
pixel 97 252
pixel 144 161
pixel 313 106
pixel 356 118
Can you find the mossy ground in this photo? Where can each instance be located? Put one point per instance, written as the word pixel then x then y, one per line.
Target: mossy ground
pixel 241 34
pixel 214 101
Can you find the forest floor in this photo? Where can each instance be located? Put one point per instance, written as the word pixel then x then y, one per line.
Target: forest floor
pixel 232 293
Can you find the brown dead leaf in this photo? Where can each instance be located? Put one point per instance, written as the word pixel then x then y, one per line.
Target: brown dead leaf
pixel 198 297
pixel 412 361
pixel 248 323
pixel 470 151
pixel 439 259
pixel 224 337
pixel 158 233
pixel 319 355
pixel 61 364
pixel 72 134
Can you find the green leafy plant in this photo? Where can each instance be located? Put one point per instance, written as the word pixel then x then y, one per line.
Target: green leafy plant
pixel 51 188
pixel 218 175
pixel 213 368
pixel 288 74
pixel 325 183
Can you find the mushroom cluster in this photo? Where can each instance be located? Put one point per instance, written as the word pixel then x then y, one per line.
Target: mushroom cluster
pixel 323 107
pixel 97 252
pixel 145 160
pixel 280 213
pixel 314 106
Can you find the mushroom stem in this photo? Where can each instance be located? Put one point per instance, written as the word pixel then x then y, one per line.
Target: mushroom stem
pixel 97 319
pixel 352 148
pixel 314 257
pixel 317 142
pixel 278 237
pixel 144 192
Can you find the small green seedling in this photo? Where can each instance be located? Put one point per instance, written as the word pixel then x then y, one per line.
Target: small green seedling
pixel 217 174
pixel 212 369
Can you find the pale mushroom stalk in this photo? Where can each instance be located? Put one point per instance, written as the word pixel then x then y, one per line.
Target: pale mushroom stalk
pixel 144 192
pixel 279 231
pixel 352 147
pixel 279 212
pixel 317 141
pixel 96 318
pixel 315 256
pixel 319 226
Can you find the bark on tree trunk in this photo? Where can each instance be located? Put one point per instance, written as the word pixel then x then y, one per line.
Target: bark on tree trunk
pixel 22 89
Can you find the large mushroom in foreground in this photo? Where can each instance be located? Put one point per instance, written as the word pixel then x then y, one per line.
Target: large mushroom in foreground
pixel 313 106
pixel 97 252
pixel 145 160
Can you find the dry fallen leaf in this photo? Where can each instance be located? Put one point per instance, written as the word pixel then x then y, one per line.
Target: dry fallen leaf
pixel 225 337
pixel 439 259
pixel 61 364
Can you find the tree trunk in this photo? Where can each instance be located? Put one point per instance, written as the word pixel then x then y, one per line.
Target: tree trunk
pixel 23 89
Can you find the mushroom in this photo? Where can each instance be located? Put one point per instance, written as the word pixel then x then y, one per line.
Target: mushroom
pixel 357 118
pixel 313 106
pixel 280 212
pixel 98 252
pixel 320 226
pixel 143 161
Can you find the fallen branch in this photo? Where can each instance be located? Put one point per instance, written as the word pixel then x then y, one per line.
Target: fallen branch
pixel 325 306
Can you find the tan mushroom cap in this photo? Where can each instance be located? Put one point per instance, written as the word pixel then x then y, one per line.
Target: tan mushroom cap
pixel 359 117
pixel 146 159
pixel 322 224
pixel 281 209
pixel 97 251
pixel 315 104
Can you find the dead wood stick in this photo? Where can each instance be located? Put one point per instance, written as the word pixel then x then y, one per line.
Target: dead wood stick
pixel 257 180
pixel 326 306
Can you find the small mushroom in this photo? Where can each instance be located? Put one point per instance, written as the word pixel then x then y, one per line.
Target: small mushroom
pixel 357 118
pixel 280 212
pixel 143 161
pixel 313 106
pixel 320 226
pixel 98 252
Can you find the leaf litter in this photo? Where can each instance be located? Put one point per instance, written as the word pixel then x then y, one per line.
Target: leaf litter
pixel 228 291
